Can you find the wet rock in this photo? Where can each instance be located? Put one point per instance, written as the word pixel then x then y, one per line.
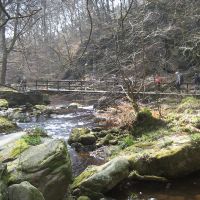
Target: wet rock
pixel 3 104
pixel 46 166
pixel 82 136
pixel 73 106
pixel 113 142
pixel 83 198
pixel 176 160
pixel 24 191
pixel 3 182
pixel 97 180
pixel 7 126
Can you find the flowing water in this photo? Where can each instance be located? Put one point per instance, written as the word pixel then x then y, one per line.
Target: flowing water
pixel 60 126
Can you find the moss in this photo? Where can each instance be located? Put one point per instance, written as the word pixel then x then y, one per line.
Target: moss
pixel 41 107
pixel 145 123
pixel 83 198
pixel 6 125
pixel 38 131
pixel 32 139
pixel 3 103
pixel 127 141
pixel 167 143
pixel 20 146
pixel 77 133
pixel 83 176
pixel 189 103
pixel 195 139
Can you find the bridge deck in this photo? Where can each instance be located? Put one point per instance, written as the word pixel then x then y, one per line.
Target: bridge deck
pixel 101 88
pixel 54 90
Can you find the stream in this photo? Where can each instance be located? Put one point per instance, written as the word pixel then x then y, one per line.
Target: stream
pixel 60 126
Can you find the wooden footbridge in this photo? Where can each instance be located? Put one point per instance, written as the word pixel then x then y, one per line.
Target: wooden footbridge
pixel 100 88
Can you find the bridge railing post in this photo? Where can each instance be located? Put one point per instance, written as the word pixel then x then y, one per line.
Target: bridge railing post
pixel 36 84
pixel 81 85
pixel 47 84
pixel 69 85
pixel 58 85
pixel 187 87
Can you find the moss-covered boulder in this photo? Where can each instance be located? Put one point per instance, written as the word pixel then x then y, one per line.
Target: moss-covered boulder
pixel 3 103
pixel 83 136
pixel 42 109
pixel 3 182
pixel 171 157
pixel 97 180
pixel 46 166
pixel 7 126
pixel 24 191
pixel 167 158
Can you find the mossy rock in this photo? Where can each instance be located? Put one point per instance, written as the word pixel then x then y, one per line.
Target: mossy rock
pixel 3 182
pixel 24 191
pixel 3 103
pixel 19 146
pixel 95 181
pixel 82 135
pixel 46 166
pixel 7 126
pixel 106 140
pixel 189 104
pixel 177 159
pixel 42 109
pixel 83 198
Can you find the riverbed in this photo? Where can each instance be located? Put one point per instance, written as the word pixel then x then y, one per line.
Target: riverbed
pixel 60 126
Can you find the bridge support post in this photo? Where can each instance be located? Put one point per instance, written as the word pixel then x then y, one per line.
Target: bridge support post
pixel 36 84
pixel 187 90
pixel 47 84
pixel 58 85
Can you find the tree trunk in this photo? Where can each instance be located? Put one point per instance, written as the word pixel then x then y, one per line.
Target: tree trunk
pixel 5 56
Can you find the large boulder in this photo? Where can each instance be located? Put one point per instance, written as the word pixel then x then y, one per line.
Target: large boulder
pixel 171 157
pixel 97 180
pixel 46 166
pixel 24 191
pixel 83 136
pixel 168 158
pixel 3 182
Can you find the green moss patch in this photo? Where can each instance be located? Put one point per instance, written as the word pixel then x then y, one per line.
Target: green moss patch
pixel 20 146
pixel 83 176
pixel 3 103
pixel 146 123
pixel 189 104
pixel 6 125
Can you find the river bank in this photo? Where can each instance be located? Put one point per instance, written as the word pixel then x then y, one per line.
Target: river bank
pixel 135 168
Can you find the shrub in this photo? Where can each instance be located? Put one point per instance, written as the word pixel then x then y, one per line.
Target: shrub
pixel 34 136
pixel 127 141
pixel 144 115
pixel 32 139
pixel 38 131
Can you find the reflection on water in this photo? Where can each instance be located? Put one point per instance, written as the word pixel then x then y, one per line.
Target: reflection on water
pixel 60 126
pixel 187 188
